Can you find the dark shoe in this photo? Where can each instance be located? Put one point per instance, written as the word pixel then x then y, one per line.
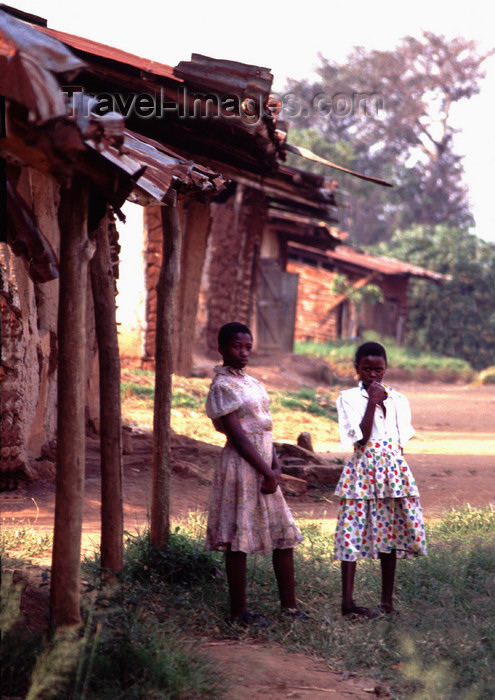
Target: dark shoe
pixel 359 613
pixel 387 610
pixel 249 618
pixel 294 613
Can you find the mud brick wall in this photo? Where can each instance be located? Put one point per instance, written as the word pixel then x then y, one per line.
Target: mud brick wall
pixel 219 272
pixel 29 359
pixel 232 273
pixel 195 222
pixel 29 348
pixel 313 320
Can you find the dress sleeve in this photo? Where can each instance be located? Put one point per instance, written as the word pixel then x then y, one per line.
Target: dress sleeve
pixel 349 421
pixel 222 399
pixel 406 431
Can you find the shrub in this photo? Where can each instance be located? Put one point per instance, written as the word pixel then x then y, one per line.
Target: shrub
pixel 487 376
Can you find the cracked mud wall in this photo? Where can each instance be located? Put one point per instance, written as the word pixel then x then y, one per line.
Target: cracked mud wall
pixel 29 347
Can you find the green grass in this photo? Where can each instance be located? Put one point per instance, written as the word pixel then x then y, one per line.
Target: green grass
pixel 441 646
pixel 124 653
pixel 142 640
pixel 340 356
pixel 307 400
pixel 19 540
pixel 182 397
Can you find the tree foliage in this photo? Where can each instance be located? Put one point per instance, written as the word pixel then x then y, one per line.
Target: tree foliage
pixel 455 318
pixel 389 114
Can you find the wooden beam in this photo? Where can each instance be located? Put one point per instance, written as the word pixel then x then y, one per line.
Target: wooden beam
pixel 112 518
pixel 75 254
pixel 169 275
pixel 342 297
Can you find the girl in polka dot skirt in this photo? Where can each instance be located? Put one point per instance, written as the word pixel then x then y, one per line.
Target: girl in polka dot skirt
pixel 379 513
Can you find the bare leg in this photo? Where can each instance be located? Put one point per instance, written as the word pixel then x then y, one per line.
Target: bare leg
pixel 283 566
pixel 347 572
pixel 235 567
pixel 349 607
pixel 388 562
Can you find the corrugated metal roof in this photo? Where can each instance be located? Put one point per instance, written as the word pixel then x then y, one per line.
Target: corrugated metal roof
pixel 227 76
pixel 113 54
pixel 30 64
pixel 346 255
pixel 350 260
pixel 309 155
pixel 55 133
pixel 49 132
pixel 231 138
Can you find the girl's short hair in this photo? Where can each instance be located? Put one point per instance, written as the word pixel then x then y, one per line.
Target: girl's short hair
pixel 370 349
pixel 229 330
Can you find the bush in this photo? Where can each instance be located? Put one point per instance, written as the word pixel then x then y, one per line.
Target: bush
pixel 487 376
pixel 428 366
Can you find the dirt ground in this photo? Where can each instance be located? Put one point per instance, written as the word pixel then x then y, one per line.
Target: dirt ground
pixel 452 457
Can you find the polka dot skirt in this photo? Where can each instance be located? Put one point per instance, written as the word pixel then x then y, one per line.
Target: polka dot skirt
pixel 366 528
pixel 379 508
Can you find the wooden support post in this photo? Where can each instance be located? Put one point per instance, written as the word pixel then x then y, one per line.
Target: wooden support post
pixel 75 253
pixel 169 274
pixel 112 517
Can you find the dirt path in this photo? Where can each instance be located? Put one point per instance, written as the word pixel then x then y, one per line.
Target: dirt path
pixel 452 457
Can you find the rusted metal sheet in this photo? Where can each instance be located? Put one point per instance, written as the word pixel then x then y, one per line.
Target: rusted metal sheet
pixel 164 172
pixel 309 155
pixel 223 76
pixel 113 54
pixel 29 64
pixel 245 138
pixel 345 255
pixel 349 260
pixel 59 135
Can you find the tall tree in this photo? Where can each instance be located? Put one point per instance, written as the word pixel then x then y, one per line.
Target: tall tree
pixel 456 318
pixel 389 113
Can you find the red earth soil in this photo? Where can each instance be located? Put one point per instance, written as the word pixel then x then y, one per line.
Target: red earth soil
pixel 452 458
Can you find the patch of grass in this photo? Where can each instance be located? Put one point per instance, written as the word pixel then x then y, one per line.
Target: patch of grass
pixel 487 376
pixel 21 540
pixel 340 356
pixel 19 647
pixel 306 400
pixel 184 562
pixel 442 644
pixel 141 391
pixel 292 411
pixel 138 657
pixel 190 393
pixel 123 655
pixel 141 640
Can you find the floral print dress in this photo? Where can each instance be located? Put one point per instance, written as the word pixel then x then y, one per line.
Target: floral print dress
pixel 240 515
pixel 379 510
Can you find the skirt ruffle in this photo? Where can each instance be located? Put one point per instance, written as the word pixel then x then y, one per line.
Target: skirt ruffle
pixel 377 470
pixel 367 528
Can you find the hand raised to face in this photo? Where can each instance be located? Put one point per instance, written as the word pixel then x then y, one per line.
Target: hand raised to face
pixel 376 392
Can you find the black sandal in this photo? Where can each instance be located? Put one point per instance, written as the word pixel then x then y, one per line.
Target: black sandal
pixel 294 613
pixel 358 613
pixel 386 610
pixel 249 618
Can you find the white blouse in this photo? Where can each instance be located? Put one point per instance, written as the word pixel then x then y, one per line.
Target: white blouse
pixel 394 424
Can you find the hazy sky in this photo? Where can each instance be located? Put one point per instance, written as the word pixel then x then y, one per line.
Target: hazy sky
pixel 288 40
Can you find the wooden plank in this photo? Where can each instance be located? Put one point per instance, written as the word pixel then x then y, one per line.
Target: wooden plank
pixel 112 515
pixel 75 253
pixel 169 275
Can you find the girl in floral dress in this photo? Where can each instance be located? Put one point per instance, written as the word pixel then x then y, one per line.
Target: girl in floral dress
pixel 247 511
pixel 379 513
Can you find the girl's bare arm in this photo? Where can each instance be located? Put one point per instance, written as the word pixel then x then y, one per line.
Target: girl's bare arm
pixel 236 435
pixel 376 394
